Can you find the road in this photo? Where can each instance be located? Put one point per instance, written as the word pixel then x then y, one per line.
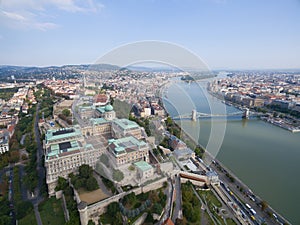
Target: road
pixel 177 212
pixel 169 205
pixel 246 196
pixel 40 169
pixel 76 116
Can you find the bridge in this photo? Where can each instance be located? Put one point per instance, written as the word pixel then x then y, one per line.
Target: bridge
pixel 195 115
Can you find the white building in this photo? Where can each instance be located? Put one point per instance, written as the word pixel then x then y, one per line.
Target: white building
pixel 4 147
pixel 65 151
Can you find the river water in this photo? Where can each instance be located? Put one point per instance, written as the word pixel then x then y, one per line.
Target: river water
pixel 265 157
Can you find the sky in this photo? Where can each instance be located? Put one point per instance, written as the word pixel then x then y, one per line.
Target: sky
pixel 225 34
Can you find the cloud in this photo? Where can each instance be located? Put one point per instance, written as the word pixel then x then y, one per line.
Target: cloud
pixel 24 20
pixel 78 6
pixel 30 14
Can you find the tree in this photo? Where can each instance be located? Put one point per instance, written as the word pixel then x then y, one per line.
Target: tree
pixel 169 121
pixel 129 199
pixel 91 222
pixel 264 205
pixel 113 208
pixel 157 208
pixel 85 171
pixel 118 175
pixel 181 221
pixel 61 184
pixel 199 151
pixel 23 208
pixel 91 184
pixel 66 112
pixel 118 219
pixel 149 219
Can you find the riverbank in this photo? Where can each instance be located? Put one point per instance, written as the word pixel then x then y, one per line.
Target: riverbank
pixel 284 124
pixel 245 150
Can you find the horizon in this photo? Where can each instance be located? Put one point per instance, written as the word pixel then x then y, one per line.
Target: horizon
pixel 132 67
pixel 226 34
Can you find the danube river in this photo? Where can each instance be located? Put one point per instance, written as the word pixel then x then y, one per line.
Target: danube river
pixel 265 157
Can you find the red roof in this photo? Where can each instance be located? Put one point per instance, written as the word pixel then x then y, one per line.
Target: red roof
pixel 168 222
pixel 11 128
pixel 100 98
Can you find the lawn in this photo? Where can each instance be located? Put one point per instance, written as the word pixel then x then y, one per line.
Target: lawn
pixel 230 221
pixel 210 197
pixel 212 201
pixel 51 211
pixel 28 219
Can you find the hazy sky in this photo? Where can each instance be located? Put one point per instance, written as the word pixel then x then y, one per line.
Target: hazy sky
pixel 224 33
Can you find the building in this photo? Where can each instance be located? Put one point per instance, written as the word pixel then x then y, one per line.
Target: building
pixel 60 106
pixel 124 127
pixel 65 151
pixel 213 177
pixel 176 143
pixel 128 150
pixel 98 126
pixel 258 102
pixel 184 153
pixel 4 147
pixel 285 105
pixel 107 112
pixel 86 112
pixel 100 100
pixel 144 170
pixel 157 109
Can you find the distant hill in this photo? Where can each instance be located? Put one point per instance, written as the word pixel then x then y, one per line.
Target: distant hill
pixel 66 71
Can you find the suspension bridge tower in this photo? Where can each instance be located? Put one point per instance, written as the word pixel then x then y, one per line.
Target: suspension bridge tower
pixel 194 115
pixel 246 113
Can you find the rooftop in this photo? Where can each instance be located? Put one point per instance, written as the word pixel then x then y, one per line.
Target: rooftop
pixel 104 109
pixel 53 135
pixel 142 165
pixel 126 124
pixel 96 121
pixel 56 149
pixel 126 144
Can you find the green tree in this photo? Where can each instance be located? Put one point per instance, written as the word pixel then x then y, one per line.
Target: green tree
pixel 85 171
pixel 91 184
pixel 61 184
pixel 4 220
pixel 118 175
pixel 23 208
pixel 157 208
pixel 66 112
pixel 113 208
pixel 91 222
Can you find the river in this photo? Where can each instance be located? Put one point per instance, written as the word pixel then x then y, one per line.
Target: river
pixel 265 157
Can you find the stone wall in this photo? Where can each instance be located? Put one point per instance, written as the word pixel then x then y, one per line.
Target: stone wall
pixel 95 210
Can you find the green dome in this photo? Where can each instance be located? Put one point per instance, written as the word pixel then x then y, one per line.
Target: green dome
pixel 109 108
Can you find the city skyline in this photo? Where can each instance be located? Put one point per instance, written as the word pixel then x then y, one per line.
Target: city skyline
pixel 224 34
